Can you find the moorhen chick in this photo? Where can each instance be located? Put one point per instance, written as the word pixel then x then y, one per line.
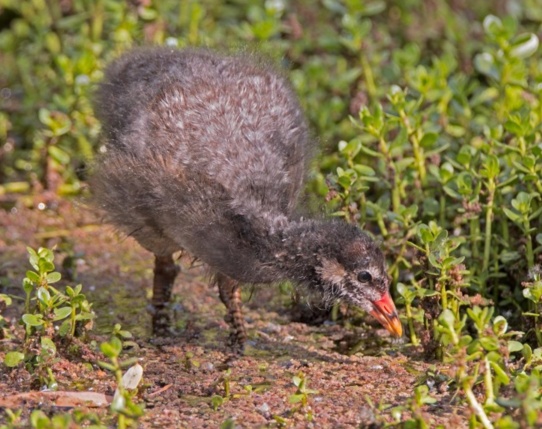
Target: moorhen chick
pixel 208 153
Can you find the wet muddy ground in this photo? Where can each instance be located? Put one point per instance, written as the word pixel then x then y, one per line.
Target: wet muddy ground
pixel 184 372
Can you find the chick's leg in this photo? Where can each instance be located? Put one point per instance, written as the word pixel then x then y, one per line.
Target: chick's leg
pixel 165 272
pixel 230 295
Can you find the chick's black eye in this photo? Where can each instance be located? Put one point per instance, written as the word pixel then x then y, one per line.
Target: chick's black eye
pixel 364 277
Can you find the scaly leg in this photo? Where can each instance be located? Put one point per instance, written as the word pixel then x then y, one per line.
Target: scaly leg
pixel 165 271
pixel 230 295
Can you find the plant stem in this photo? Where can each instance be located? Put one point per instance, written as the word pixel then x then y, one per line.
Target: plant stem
pixel 363 209
pixel 490 395
pixel 487 236
pixel 475 405
pixel 529 244
pixel 369 78
pixel 395 185
pixel 413 338
pixel 72 320
pixel 442 210
pixel 419 157
pixel 381 225
pixel 443 293
pixel 118 375
pixel 474 234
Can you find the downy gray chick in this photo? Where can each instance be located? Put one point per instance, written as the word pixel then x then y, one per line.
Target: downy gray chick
pixel 208 154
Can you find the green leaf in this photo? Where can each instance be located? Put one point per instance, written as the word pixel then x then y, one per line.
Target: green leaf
pixel 431 207
pixel 514 128
pixel 486 95
pixel 489 344
pixel 500 325
pixel 107 366
pixel 425 234
pixel 59 155
pixel 45 266
pixel 217 401
pixel 492 25
pixel 294 399
pixel 12 359
pixel 527 353
pixel 364 170
pixel 513 216
pixel 44 116
pixel 147 13
pixel 39 420
pixel 46 254
pixel 499 373
pixel 133 360
pixel 524 45
pixel 44 296
pixel 111 349
pixel 32 319
pixel 228 424
pixel 433 260
pixel 62 313
pixel 33 277
pixel 28 286
pixel 485 64
pixel 53 277
pixel 64 328
pixel 447 318
pixel 428 140
pixel 490 168
pixel 514 346
pixel 48 346
pixel 5 298
pixel 33 259
pixel 446 172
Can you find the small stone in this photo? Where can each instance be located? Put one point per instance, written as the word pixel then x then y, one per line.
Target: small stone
pixel 272 328
pixel 207 367
pixel 263 409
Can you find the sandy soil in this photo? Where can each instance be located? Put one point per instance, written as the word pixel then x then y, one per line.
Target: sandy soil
pixel 182 373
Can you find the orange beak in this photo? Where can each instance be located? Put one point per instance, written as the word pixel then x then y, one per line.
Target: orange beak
pixel 384 311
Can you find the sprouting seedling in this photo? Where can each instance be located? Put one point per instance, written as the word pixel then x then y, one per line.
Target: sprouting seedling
pixel 302 393
pixel 218 400
pixel 5 301
pixel 122 404
pixel 533 292
pixel 51 304
pixel 409 294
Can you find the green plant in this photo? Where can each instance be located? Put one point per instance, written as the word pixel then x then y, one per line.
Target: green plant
pixel 421 397
pixel 50 304
pixel 302 395
pixel 74 419
pixel 44 307
pixel 218 400
pixel 527 401
pixel 13 419
pixel 533 292
pixel 5 301
pixel 122 405
pixel 124 336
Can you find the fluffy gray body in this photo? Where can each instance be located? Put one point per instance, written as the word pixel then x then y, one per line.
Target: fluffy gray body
pixel 208 153
pixel 202 150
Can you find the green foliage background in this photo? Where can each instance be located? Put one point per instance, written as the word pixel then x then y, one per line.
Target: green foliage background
pixel 428 113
